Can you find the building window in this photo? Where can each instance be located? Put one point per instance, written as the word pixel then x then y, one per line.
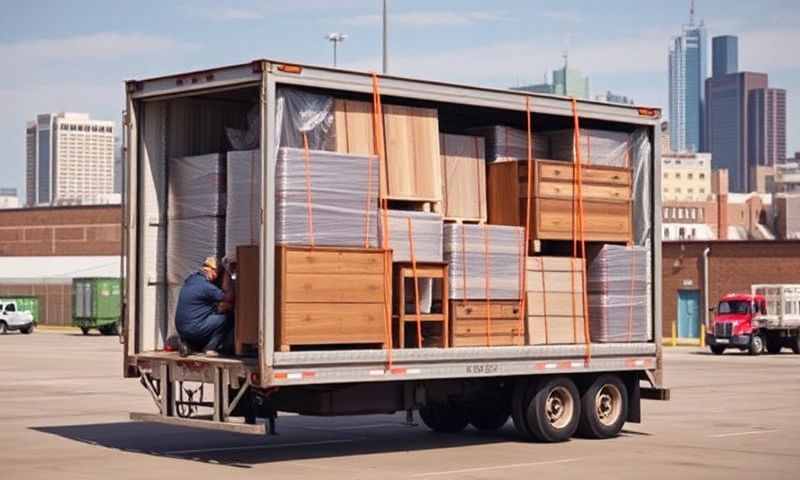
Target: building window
pixel 693 233
pixel 666 175
pixel 690 176
pixel 677 174
pixel 681 232
pixel 702 176
pixel 666 233
pixel 680 213
pixel 700 213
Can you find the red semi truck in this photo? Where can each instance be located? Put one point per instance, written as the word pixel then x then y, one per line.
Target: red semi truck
pixel 766 319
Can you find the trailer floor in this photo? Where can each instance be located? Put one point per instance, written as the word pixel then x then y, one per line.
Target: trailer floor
pixel 65 407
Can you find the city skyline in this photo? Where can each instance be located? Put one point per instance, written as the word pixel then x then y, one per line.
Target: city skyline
pixel 688 69
pixel 80 62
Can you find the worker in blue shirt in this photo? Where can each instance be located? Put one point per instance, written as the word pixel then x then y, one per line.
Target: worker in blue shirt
pixel 203 316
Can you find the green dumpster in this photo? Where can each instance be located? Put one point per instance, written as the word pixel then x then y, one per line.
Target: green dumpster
pixel 96 303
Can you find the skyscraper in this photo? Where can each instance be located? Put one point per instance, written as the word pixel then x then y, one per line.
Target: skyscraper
pixel 566 81
pixel 70 159
pixel 768 127
pixel 725 55
pixel 734 125
pixel 687 73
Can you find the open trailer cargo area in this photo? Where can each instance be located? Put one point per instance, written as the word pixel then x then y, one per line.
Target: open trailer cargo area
pixel 403 245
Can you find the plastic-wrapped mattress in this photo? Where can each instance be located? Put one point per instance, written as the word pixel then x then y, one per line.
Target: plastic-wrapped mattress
pixel 243 200
pixel 470 249
pixel 330 198
pixel 196 186
pixel 426 232
pixel 617 291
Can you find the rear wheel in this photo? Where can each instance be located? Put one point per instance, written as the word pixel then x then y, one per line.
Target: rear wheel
pixel 554 410
pixel 444 418
pixel 604 407
pixel 110 329
pixel 520 398
pixel 487 417
pixel 3 328
pixel 27 330
pixel 796 343
pixel 717 349
pixel 756 345
pixel 85 330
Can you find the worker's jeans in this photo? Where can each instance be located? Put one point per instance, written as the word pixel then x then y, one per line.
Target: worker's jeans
pixel 213 333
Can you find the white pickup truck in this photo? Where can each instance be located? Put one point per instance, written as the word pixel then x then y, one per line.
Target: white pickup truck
pixel 12 319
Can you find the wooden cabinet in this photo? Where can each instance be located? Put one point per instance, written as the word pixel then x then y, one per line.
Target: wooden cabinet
pixel 331 296
pixel 480 323
pixel 246 316
pixel 606 193
pixel 405 311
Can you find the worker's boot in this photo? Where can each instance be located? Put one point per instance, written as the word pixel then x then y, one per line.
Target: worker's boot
pixel 183 349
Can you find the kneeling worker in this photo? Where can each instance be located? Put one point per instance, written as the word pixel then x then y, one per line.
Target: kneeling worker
pixel 204 313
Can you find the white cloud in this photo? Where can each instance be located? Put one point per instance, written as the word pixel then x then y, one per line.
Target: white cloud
pixel 427 19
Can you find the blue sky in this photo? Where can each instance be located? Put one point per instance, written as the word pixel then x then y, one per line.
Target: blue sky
pixel 74 56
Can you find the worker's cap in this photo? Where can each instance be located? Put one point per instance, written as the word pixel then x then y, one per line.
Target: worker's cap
pixel 211 262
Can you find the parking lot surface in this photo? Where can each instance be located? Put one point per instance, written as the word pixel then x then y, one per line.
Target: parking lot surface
pixel 65 412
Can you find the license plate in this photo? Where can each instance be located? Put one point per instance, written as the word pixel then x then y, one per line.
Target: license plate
pixel 723 340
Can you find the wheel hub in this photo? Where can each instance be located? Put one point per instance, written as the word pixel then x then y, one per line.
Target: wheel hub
pixel 558 407
pixel 608 404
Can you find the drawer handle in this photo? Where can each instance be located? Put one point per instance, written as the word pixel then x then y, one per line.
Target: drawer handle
pixel 469 310
pixel 516 310
pixel 616 177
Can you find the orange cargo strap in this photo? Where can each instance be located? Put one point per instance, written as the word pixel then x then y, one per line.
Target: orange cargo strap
pixel 402 301
pixel 578 182
pixel 377 132
pixel 527 234
pixel 309 204
pixel 487 286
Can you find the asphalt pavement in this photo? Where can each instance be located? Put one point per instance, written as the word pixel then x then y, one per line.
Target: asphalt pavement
pixel 64 414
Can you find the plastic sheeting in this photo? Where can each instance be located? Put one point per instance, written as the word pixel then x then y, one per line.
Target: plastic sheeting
pixel 340 191
pixel 249 138
pixel 196 186
pixel 306 114
pixel 617 290
pixel 468 249
pixel 598 147
pixel 506 144
pixel 426 229
pixel 189 242
pixel 243 200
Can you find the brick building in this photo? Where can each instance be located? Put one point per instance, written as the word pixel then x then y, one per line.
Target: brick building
pixel 43 249
pixel 732 267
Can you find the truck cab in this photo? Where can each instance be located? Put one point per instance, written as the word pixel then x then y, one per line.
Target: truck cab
pixel 13 319
pixel 742 321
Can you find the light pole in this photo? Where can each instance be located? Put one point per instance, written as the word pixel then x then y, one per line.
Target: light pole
pixel 335 38
pixel 385 34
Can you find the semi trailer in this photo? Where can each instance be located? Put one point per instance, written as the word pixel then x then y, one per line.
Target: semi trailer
pixel 550 390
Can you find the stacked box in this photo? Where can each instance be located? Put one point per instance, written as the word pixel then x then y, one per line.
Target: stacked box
pixel 617 291
pixel 506 144
pixel 555 300
pixel 426 230
pixel 189 242
pixel 470 249
pixel 340 192
pixel 598 147
pixel 243 200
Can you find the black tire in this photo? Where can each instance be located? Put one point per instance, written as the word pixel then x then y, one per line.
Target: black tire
pixel 796 344
pixel 110 329
pixel 554 410
pixel 756 345
pixel 27 330
pixel 774 344
pixel 85 330
pixel 3 328
pixel 444 418
pixel 520 398
pixel 717 349
pixel 488 418
pixel 604 408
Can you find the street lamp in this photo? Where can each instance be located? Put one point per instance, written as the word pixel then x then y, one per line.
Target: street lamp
pixel 335 38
